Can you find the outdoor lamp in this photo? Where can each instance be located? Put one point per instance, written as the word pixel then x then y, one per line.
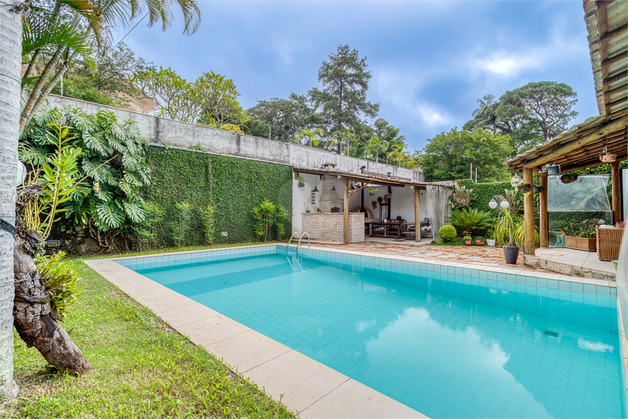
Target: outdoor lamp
pixel 493 203
pixel 504 204
pixel 515 181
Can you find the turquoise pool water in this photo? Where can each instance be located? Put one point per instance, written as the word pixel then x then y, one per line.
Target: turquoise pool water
pixel 446 345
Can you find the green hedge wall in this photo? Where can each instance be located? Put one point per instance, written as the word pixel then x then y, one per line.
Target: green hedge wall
pixel 483 192
pixel 234 185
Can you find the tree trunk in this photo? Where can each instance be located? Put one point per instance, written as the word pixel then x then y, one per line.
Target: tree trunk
pixel 10 63
pixel 33 320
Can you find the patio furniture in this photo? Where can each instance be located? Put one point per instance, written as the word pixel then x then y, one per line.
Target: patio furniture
pixel 391 228
pixel 608 242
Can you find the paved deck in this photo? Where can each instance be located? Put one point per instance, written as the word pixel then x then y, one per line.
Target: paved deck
pixel 572 262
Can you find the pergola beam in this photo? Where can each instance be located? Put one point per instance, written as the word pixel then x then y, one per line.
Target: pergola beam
pixel 528 214
pixel 574 145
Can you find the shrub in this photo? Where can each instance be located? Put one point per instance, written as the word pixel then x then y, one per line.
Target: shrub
pixel 267 215
pixel 209 222
pixel 469 220
pixel 182 223
pixel 447 233
pixel 60 280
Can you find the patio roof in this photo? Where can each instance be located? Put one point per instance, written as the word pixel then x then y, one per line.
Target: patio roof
pixel 581 146
pixel 370 178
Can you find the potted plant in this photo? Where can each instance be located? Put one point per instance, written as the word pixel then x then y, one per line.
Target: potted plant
pixel 479 241
pixel 490 241
pixel 582 236
pixel 552 169
pixel 301 181
pixel 467 240
pixel 372 191
pixel 511 250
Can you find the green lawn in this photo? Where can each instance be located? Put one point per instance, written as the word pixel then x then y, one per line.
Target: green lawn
pixel 140 367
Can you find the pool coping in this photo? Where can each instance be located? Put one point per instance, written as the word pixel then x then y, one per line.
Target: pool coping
pixel 307 387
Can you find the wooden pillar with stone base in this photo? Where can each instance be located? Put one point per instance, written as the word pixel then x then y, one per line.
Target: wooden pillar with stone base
pixel 543 212
pixel 528 214
pixel 615 192
pixel 417 217
pixel 346 211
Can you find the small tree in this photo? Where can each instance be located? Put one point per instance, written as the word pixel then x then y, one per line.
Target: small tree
pixel 267 215
pixel 209 222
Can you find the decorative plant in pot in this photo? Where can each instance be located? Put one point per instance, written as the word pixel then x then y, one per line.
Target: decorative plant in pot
pixel 301 182
pixel 490 238
pixel 505 222
pixel 581 236
pixel 467 240
pixel 372 191
pixel 479 241
pixel 468 221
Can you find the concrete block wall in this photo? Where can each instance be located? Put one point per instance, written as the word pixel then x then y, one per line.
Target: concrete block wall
pixel 330 226
pixel 163 131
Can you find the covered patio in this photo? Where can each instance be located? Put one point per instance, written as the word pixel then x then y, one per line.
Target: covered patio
pixel 349 206
pixel 600 139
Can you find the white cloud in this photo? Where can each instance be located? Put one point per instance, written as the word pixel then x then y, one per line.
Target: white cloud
pixel 399 90
pixel 510 62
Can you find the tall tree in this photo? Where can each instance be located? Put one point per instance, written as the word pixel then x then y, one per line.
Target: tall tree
pixel 530 114
pixel 285 118
pixel 343 99
pixel 219 98
pixel 448 156
pixel 10 51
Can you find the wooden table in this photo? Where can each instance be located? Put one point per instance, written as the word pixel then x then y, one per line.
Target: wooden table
pixel 396 225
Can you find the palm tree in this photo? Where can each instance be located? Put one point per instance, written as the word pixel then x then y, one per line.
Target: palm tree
pixel 376 146
pixel 45 30
pixel 313 135
pixel 69 39
pixel 10 68
pixel 397 153
pixel 485 114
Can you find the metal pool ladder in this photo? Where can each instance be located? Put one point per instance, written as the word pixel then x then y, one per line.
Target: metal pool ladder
pixel 299 243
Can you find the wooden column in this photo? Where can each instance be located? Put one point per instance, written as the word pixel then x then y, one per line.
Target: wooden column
pixel 615 192
pixel 544 214
pixel 346 211
pixel 528 214
pixel 417 216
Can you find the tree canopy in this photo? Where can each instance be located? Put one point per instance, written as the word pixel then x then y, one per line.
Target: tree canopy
pixel 449 155
pixel 530 114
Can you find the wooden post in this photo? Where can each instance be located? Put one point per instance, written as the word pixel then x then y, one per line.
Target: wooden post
pixel 528 213
pixel 417 216
pixel 346 211
pixel 615 192
pixel 544 214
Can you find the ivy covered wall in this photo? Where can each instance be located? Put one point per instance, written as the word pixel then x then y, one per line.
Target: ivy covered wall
pixel 483 192
pixel 235 186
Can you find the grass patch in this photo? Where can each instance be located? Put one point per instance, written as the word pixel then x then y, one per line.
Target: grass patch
pixel 140 368
pixel 451 243
pixel 174 249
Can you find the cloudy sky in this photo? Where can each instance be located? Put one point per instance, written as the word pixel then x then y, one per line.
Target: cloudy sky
pixel 430 60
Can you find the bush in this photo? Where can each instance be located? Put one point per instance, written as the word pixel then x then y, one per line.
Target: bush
pixel 467 221
pixel 447 233
pixel 60 280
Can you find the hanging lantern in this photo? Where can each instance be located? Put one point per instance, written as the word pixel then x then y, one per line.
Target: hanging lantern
pixel 515 181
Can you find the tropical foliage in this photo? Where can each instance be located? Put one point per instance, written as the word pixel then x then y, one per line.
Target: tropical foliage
pixel 61 282
pixel 450 155
pixel 460 197
pixel 58 32
pixel 267 215
pixel 467 221
pixel 111 165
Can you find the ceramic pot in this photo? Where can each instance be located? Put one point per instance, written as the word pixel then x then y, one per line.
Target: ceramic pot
pixel 300 185
pixel 467 242
pixel 479 243
pixel 511 254
pixel 490 242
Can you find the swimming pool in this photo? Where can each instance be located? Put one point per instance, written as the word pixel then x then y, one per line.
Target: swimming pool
pixel 445 341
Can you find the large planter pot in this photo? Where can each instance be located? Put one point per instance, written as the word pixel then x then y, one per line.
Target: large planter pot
pixel 580 243
pixel 490 242
pixel 511 254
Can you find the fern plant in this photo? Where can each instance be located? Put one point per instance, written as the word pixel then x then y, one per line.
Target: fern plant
pixel 112 161
pixel 60 279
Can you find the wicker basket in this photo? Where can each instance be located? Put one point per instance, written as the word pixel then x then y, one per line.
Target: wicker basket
pixel 580 243
pixel 608 242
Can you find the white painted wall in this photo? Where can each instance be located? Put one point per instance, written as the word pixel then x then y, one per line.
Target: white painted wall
pixel 402 201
